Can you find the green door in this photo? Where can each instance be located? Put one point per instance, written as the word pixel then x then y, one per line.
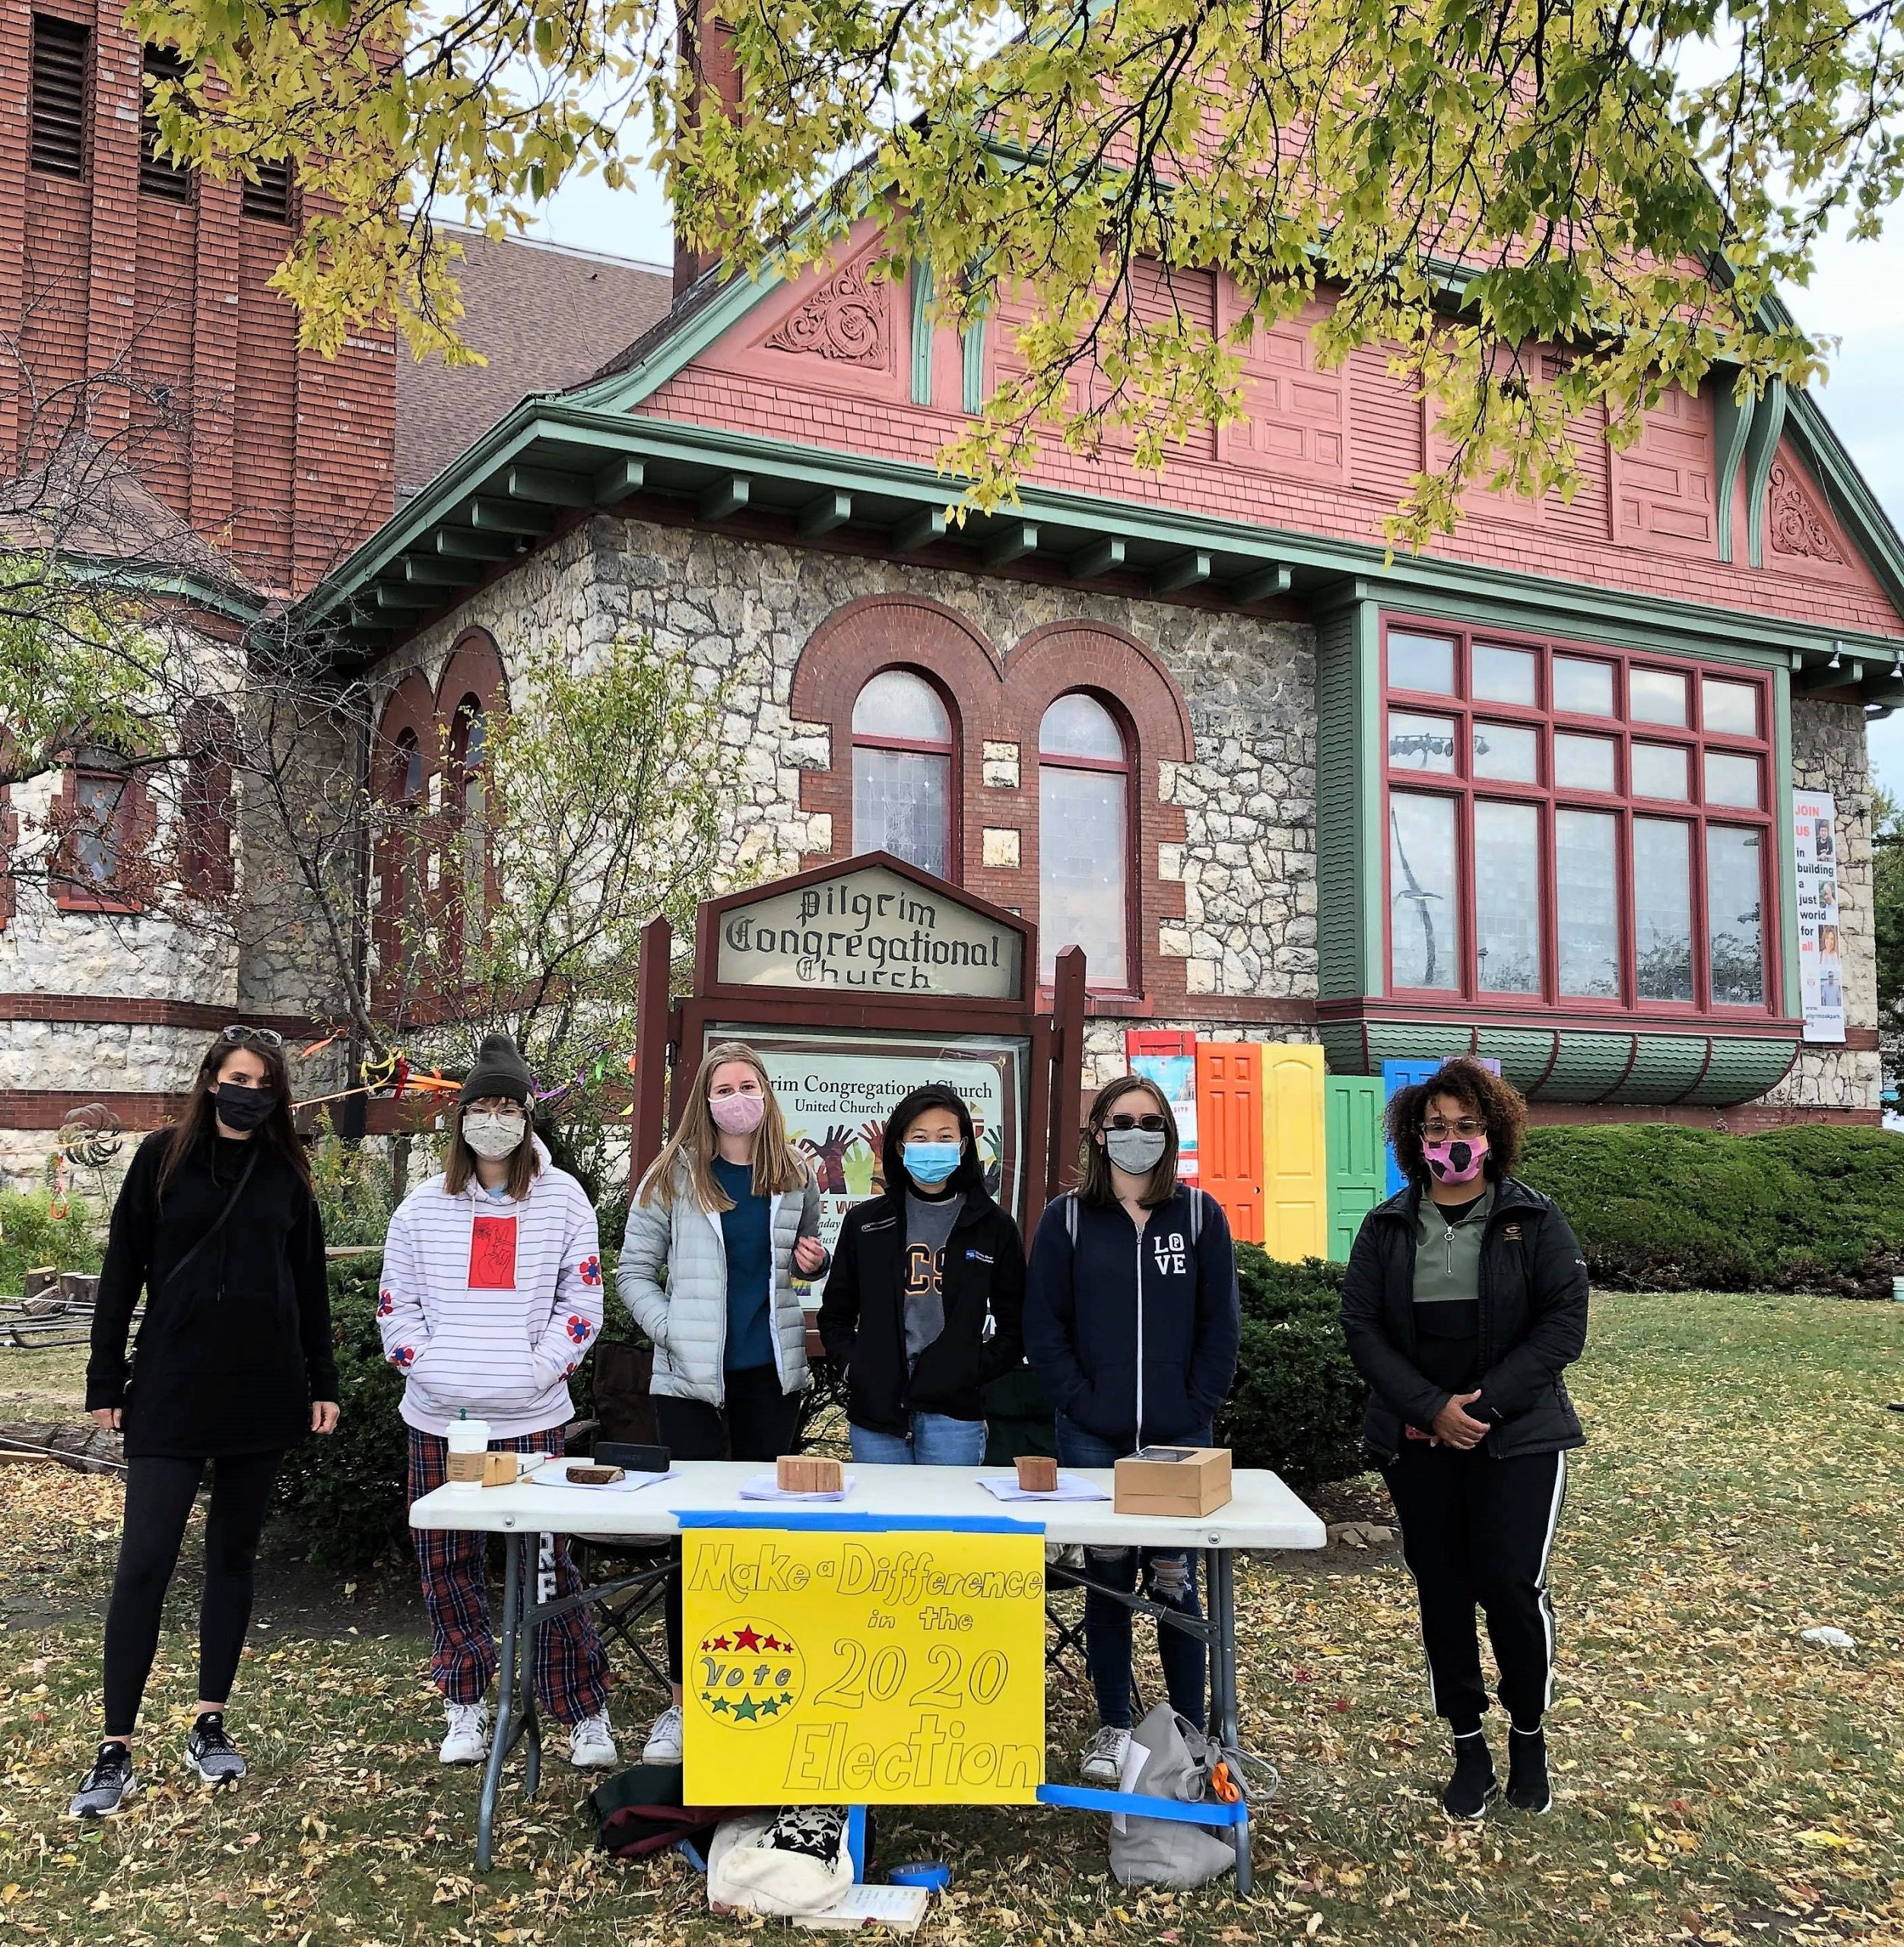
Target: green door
pixel 1353 1105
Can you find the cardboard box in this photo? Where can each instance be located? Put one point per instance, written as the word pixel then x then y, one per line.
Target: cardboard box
pixel 1037 1473
pixel 801 1473
pixel 494 1469
pixel 1181 1481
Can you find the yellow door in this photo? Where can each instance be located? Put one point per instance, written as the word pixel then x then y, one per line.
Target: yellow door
pixel 1295 1154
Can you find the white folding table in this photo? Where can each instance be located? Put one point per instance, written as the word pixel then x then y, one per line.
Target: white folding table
pixel 1262 1513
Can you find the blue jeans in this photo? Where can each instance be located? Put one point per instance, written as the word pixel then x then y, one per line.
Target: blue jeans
pixel 1169 1579
pixel 936 1440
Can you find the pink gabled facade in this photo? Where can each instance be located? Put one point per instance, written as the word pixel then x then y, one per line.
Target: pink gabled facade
pixel 828 358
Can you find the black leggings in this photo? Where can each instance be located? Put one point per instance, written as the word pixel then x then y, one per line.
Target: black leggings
pixel 758 1423
pixel 159 1493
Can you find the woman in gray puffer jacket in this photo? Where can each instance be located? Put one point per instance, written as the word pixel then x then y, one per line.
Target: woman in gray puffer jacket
pixel 727 1213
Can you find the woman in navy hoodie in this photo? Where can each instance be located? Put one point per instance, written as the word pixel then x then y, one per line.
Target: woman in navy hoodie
pixel 1132 1324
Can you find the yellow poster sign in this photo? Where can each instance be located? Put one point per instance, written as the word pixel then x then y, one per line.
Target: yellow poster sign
pixel 903 1667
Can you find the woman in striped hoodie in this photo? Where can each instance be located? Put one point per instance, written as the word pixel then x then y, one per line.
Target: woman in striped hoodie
pixel 491 1294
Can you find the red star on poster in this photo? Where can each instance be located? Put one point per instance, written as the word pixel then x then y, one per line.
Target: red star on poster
pixel 772 1643
pixel 747 1639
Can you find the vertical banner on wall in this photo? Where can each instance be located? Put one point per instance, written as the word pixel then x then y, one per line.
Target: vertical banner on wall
pixel 1821 973
pixel 1168 1057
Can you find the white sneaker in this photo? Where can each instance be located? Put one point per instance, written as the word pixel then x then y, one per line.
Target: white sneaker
pixel 664 1745
pixel 592 1745
pixel 1103 1764
pixel 467 1740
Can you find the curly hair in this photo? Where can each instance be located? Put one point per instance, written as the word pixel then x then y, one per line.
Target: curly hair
pixel 1499 1104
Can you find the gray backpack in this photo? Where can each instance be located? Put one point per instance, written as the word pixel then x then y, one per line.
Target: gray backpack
pixel 1169 1852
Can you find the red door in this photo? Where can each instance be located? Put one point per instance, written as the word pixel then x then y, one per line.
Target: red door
pixel 1230 1131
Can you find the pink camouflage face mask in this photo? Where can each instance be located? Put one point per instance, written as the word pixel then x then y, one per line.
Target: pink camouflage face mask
pixel 1456 1160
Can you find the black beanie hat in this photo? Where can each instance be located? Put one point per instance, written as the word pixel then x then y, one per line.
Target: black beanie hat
pixel 499 1069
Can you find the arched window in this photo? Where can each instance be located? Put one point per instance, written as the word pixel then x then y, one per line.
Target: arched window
pixel 903 788
pixel 1084 840
pixel 406 771
pixel 468 736
pixel 205 809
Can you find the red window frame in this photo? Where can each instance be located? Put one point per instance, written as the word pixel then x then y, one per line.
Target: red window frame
pixel 1548 799
pixel 126 829
pixel 1127 768
pixel 949 749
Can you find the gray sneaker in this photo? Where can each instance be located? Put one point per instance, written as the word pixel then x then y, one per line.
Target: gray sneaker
pixel 106 1787
pixel 211 1753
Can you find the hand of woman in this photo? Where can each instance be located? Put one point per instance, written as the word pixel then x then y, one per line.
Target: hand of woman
pixel 809 1254
pixel 108 1416
pixel 1454 1426
pixel 324 1416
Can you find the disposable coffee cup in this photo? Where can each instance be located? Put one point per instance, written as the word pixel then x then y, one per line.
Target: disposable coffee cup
pixel 1897 1291
pixel 469 1442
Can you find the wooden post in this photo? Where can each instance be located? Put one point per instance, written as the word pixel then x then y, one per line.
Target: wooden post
pixel 1067 1068
pixel 652 1004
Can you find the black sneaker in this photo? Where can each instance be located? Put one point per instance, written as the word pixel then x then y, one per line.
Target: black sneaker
pixel 211 1753
pixel 1528 1789
pixel 1474 1782
pixel 106 1787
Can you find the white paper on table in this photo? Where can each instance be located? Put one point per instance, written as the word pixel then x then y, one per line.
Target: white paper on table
pixel 1071 1487
pixel 628 1484
pixel 899 1907
pixel 767 1487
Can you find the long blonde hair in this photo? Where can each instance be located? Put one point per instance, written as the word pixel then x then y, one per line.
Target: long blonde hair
pixel 778 1165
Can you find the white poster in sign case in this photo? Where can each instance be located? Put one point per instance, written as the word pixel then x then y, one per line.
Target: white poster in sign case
pixel 1821 972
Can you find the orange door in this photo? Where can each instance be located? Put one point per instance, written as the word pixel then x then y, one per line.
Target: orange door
pixel 1230 1131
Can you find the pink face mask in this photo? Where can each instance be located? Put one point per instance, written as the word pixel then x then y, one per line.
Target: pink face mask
pixel 1455 1161
pixel 737 1115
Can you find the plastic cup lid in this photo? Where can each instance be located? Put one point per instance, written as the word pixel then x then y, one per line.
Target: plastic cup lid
pixel 922 1872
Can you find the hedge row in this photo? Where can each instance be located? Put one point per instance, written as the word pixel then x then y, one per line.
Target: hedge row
pixel 1659 1207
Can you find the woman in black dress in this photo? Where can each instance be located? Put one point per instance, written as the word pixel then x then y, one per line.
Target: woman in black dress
pixel 216 1222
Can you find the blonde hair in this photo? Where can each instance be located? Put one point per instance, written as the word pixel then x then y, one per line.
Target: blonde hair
pixel 778 1165
pixel 459 1163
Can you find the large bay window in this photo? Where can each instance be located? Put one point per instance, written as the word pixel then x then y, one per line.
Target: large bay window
pixel 1575 827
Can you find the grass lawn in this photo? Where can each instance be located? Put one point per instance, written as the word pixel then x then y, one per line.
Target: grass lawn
pixel 1720 1779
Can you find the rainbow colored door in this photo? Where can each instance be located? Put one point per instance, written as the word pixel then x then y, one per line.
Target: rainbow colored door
pixel 1230 1131
pixel 1357 1161
pixel 1295 1202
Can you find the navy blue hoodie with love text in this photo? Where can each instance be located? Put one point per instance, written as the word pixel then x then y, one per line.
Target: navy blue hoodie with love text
pixel 1090 1303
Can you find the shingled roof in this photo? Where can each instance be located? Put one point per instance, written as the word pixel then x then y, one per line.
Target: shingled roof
pixel 544 316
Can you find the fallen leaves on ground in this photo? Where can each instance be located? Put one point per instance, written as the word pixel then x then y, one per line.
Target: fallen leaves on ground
pixel 1720 1780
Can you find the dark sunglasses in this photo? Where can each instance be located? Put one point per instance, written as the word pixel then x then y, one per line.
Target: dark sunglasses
pixel 1153 1122
pixel 238 1035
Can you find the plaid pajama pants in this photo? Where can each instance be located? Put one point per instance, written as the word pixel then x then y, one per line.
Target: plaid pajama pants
pixel 571 1666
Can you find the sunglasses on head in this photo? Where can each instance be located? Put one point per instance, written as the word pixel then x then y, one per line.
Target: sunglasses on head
pixel 239 1034
pixel 1153 1122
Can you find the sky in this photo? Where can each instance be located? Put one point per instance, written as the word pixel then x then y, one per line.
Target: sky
pixel 1856 295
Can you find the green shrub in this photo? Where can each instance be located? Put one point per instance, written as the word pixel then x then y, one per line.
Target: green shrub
pixel 353 1191
pixel 30 1236
pixel 1296 1405
pixel 1659 1207
pixel 341 1500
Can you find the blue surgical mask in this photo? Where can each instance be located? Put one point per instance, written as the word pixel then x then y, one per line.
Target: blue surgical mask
pixel 932 1162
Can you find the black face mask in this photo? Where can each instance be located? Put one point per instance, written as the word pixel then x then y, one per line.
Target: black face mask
pixel 239 1108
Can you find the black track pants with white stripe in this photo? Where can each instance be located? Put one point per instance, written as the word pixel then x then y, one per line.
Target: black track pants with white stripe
pixel 1476 1532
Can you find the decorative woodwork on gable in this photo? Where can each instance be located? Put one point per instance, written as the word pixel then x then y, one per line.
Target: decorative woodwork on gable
pixel 1663 491
pixel 1794 525
pixel 847 319
pixel 1296 416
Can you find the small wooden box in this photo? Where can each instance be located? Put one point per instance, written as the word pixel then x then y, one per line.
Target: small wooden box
pixel 1037 1473
pixel 802 1473
pixel 1173 1480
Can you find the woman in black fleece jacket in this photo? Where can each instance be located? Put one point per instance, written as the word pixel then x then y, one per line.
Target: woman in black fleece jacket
pixel 1132 1325
pixel 216 1223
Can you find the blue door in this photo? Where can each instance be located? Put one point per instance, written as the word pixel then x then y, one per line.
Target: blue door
pixel 1395 1076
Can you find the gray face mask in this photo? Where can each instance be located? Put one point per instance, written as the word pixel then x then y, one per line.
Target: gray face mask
pixel 493 1135
pixel 1138 1151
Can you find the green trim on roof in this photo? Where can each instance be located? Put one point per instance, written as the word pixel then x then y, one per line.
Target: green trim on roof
pixel 972 368
pixel 922 332
pixel 1732 425
pixel 1762 449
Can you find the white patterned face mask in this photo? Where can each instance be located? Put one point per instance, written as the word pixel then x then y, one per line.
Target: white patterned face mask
pixel 493 1134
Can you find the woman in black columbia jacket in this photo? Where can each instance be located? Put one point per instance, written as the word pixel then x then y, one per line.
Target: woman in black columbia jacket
pixel 924 1301
pixel 1464 1301
pixel 216 1224
pixel 1132 1324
